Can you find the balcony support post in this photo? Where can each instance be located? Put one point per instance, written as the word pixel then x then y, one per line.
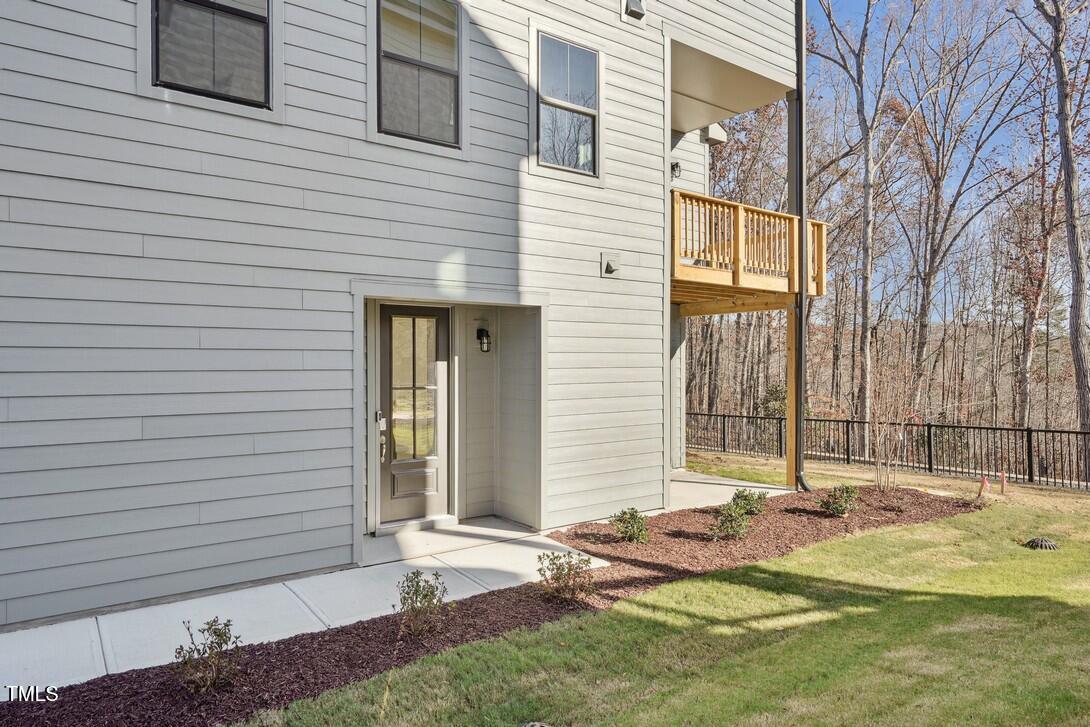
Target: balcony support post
pixel 796 319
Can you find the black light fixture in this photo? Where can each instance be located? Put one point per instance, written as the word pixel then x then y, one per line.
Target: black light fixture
pixel 675 170
pixel 634 9
pixel 484 339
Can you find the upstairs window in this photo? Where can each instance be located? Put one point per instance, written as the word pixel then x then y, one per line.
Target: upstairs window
pixel 216 48
pixel 418 70
pixel 567 106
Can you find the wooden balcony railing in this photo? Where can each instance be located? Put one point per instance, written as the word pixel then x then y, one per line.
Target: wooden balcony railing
pixel 721 244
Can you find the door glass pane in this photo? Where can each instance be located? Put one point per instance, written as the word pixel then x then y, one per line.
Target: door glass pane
pixel 425 352
pixel 240 57
pixel 439 33
pixel 401 419
pixel 400 97
pixel 566 138
pixel 186 45
pixel 401 351
pixel 425 422
pixel 401 28
pixel 437 98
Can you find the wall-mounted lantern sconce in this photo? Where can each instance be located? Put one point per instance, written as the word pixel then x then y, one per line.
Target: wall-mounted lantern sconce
pixel 675 170
pixel 634 9
pixel 484 339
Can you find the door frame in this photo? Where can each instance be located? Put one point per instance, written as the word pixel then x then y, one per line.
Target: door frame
pixel 387 311
pixel 368 291
pixel 375 354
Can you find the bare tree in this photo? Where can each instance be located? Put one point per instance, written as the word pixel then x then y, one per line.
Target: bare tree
pixel 963 48
pixel 1057 15
pixel 868 64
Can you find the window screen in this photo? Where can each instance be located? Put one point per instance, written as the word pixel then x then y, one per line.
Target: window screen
pixel 418 69
pixel 218 49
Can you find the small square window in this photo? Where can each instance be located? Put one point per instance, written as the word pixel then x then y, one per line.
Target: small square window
pixel 567 105
pixel 217 49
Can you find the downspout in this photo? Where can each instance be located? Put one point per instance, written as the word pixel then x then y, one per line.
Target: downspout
pixel 803 266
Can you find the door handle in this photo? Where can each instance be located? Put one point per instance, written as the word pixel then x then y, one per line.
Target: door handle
pixel 382 447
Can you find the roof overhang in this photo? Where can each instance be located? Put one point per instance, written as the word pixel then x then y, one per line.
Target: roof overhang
pixel 708 84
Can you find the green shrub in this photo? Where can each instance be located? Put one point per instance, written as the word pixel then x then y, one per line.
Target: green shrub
pixel 564 575
pixel 752 503
pixel 731 523
pixel 840 500
pixel 630 525
pixel 210 664
pixel 422 601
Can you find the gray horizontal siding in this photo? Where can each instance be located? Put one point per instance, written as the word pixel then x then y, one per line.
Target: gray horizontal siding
pixel 176 330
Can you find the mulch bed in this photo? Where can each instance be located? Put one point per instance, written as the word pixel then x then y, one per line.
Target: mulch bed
pixel 680 546
pixel 274 674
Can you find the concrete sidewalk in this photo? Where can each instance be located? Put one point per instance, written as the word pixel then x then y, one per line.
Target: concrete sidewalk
pixel 473 557
pixel 75 651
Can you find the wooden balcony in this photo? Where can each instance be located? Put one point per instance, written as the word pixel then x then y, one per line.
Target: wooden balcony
pixel 729 255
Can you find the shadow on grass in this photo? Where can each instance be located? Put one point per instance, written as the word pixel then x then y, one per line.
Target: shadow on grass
pixel 737 645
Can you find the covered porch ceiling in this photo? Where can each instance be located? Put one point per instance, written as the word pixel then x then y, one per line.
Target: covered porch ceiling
pixel 706 87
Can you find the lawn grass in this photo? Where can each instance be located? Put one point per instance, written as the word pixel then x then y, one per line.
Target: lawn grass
pixel 770 471
pixel 951 622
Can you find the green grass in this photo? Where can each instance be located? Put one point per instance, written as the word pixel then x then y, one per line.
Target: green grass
pixel 762 475
pixel 951 622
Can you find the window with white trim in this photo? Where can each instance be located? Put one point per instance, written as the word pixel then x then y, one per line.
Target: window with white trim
pixel 567 113
pixel 214 48
pixel 418 92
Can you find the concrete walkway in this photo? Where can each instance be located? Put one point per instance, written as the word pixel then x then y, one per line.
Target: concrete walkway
pixel 473 557
pixel 692 489
pixel 478 556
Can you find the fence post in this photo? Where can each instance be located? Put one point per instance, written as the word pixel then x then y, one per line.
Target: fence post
pixel 930 450
pixel 780 425
pixel 723 426
pixel 848 441
pixel 1030 474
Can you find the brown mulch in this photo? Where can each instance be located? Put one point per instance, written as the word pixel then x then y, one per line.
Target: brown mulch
pixel 679 544
pixel 274 674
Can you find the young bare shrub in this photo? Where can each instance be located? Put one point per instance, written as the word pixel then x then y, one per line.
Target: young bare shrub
pixel 731 522
pixel 752 503
pixel 890 407
pixel 631 525
pixel 564 575
pixel 840 500
pixel 210 664
pixel 422 601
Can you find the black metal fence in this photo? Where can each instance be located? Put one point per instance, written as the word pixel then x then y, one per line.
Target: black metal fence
pixel 1060 458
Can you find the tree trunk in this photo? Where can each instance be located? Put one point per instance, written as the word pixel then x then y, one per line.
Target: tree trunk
pixel 866 272
pixel 1077 319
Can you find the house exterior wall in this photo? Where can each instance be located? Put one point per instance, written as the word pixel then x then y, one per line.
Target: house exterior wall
pixel 480 405
pixel 176 326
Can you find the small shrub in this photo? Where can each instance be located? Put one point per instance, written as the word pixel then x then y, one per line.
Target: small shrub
pixel 752 503
pixel 564 575
pixel 630 525
pixel 732 522
pixel 840 500
pixel 422 601
pixel 210 664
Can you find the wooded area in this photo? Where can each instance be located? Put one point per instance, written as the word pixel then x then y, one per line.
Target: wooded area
pixel 946 141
